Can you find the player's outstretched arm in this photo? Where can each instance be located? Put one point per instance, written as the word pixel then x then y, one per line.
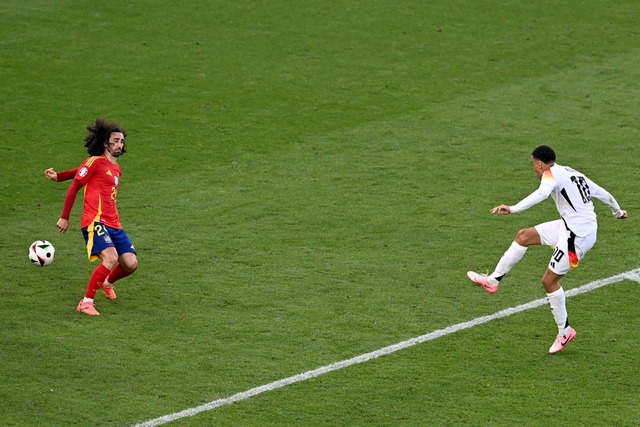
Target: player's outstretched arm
pixel 60 176
pixel 51 174
pixel 607 198
pixel 501 210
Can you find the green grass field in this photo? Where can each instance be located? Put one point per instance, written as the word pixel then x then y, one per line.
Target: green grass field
pixel 307 182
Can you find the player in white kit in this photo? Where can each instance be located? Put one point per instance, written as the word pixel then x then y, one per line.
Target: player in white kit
pixel 571 236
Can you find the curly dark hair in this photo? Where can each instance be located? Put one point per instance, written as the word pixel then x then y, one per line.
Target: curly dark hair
pixel 99 133
pixel 545 154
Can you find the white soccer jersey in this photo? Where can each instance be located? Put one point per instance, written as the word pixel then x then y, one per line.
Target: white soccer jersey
pixel 572 191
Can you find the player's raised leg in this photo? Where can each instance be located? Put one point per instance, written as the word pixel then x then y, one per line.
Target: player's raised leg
pixel 512 256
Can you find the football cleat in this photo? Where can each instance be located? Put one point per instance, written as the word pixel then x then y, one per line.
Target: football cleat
pixel 562 340
pixel 87 308
pixel 482 280
pixel 109 292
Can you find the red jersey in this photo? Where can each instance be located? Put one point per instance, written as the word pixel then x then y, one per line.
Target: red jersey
pixel 100 179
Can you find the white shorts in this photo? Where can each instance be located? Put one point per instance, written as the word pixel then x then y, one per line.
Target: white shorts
pixel 569 249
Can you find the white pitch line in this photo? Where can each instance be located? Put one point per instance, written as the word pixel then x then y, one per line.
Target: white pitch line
pixel 633 275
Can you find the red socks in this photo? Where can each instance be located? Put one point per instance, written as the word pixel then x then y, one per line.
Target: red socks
pixel 100 274
pixel 117 273
pixel 97 277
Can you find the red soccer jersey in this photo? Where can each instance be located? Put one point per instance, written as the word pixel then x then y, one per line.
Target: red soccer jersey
pixel 100 178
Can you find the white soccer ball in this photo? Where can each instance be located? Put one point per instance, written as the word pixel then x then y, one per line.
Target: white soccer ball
pixel 42 253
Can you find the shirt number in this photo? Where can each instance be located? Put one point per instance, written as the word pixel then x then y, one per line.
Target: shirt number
pixel 583 188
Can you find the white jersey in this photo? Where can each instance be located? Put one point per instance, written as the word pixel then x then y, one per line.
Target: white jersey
pixel 572 191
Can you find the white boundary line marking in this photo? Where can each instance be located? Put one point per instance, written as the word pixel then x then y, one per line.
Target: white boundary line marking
pixel 633 275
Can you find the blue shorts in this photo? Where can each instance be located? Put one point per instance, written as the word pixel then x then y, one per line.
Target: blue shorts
pixel 100 237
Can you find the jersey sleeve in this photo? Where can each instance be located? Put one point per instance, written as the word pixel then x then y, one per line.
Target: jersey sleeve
pixel 80 176
pixel 70 199
pixel 66 175
pixel 547 183
pixel 86 170
pixel 605 197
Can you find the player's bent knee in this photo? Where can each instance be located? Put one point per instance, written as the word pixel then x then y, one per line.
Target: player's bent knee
pixel 551 281
pixel 129 263
pixel 527 237
pixel 132 267
pixel 550 287
pixel 521 237
pixel 109 258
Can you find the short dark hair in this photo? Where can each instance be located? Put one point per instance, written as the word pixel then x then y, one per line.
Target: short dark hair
pixel 545 154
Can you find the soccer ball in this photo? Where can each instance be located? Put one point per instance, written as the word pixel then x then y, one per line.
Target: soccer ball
pixel 41 253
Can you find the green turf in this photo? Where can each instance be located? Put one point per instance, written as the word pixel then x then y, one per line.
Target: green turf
pixel 307 182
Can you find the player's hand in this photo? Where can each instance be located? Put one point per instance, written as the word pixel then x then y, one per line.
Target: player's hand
pixel 51 174
pixel 623 216
pixel 501 210
pixel 62 225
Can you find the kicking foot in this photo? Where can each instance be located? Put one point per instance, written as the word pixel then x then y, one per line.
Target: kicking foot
pixel 482 280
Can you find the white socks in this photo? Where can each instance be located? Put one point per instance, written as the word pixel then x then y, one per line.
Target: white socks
pixel 559 310
pixel 511 257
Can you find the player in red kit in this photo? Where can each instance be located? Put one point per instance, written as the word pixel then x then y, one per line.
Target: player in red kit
pixel 100 176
